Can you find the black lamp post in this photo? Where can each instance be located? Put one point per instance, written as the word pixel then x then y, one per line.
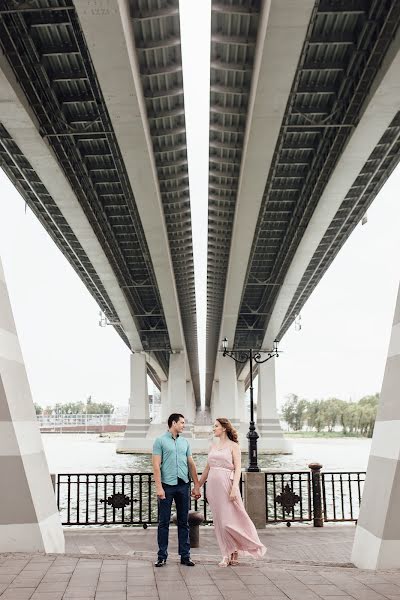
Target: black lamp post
pixel 242 356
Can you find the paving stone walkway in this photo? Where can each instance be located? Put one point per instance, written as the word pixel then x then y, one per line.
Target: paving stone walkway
pixel 331 544
pixel 123 577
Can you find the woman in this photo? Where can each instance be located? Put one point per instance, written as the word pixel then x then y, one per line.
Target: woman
pixel 233 527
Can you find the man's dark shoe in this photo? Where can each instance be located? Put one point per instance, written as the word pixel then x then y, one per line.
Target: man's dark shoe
pixel 187 562
pixel 160 562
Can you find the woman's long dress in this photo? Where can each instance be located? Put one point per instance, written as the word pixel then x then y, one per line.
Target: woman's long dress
pixel 233 527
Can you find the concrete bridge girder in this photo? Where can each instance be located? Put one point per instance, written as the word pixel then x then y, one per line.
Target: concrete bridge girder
pixel 119 78
pixel 20 122
pixel 380 107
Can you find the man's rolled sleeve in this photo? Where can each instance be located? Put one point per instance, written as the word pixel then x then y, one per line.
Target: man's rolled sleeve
pixel 157 449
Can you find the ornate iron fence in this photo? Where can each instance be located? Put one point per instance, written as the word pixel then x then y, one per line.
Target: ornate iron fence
pixel 130 498
pixel 341 495
pixel 288 496
pixel 114 499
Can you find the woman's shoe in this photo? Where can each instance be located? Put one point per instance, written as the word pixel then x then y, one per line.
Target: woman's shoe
pixel 234 559
pixel 225 562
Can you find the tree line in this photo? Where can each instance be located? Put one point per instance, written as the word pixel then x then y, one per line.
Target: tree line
pixel 74 408
pixel 354 418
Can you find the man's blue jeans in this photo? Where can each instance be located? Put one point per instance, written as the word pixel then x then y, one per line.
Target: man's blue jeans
pixel 179 493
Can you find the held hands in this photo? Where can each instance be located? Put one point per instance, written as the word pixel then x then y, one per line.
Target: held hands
pixel 160 493
pixel 196 493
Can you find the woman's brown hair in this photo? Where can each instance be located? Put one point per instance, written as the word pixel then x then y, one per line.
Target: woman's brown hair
pixel 230 430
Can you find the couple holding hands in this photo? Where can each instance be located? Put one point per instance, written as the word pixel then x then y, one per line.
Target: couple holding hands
pixel 172 463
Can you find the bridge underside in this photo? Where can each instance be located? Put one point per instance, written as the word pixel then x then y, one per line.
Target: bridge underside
pixel 342 60
pixel 48 60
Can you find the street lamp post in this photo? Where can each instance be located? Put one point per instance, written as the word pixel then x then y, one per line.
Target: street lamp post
pixel 242 356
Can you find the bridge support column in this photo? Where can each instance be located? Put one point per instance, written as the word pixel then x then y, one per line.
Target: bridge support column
pixel 157 429
pixel 165 411
pixel 177 383
pixel 190 410
pixel 228 399
pixel 377 538
pixel 29 519
pixel 272 440
pixel 215 401
pixel 241 409
pixel 138 420
pixel 177 389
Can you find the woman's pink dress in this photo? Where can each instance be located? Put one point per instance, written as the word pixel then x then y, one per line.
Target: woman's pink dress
pixel 234 529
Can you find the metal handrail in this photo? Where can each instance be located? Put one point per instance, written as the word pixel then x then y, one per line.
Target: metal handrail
pixel 129 498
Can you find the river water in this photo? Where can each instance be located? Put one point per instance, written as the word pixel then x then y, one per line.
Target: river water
pixel 90 453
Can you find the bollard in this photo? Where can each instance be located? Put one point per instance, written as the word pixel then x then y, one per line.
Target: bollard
pixel 194 519
pixel 316 494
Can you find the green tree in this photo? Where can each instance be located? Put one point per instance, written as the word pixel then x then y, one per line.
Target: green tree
pixel 294 412
pixel 102 408
pixel 38 408
pixel 333 408
pixel 315 417
pixel 288 410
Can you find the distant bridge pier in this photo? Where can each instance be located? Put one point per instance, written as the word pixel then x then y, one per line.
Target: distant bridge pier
pixel 177 395
pixel 215 401
pixel 29 517
pixel 377 538
pixel 241 408
pixel 165 412
pixel 272 439
pixel 228 392
pixel 139 418
pixel 190 409
pixel 178 392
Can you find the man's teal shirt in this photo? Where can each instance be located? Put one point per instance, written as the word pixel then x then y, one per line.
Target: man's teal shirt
pixel 174 457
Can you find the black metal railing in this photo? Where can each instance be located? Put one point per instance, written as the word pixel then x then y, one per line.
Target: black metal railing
pixel 341 495
pixel 313 496
pixel 106 498
pixel 288 496
pixel 130 498
pixel 114 499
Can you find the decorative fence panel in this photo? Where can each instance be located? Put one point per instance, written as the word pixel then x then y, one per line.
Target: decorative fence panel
pixel 114 499
pixel 341 495
pixel 288 496
pixel 130 498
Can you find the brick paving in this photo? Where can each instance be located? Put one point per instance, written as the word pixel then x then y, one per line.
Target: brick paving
pixel 332 543
pixel 297 576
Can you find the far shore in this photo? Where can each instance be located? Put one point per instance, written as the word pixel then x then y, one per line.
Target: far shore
pixel 322 434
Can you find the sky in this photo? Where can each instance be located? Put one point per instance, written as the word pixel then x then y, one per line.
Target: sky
pixel 340 350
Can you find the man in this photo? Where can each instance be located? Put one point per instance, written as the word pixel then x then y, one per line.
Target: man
pixel 172 460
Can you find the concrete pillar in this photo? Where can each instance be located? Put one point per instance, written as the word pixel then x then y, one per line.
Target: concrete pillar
pixel 228 401
pixel 157 429
pixel 377 538
pixel 138 420
pixel 189 410
pixel 268 426
pixel 215 401
pixel 165 412
pixel 29 519
pixel 254 498
pixel 241 408
pixel 178 391
pixel 177 383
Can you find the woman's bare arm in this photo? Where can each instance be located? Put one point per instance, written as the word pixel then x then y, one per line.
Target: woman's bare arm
pixel 204 476
pixel 237 463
